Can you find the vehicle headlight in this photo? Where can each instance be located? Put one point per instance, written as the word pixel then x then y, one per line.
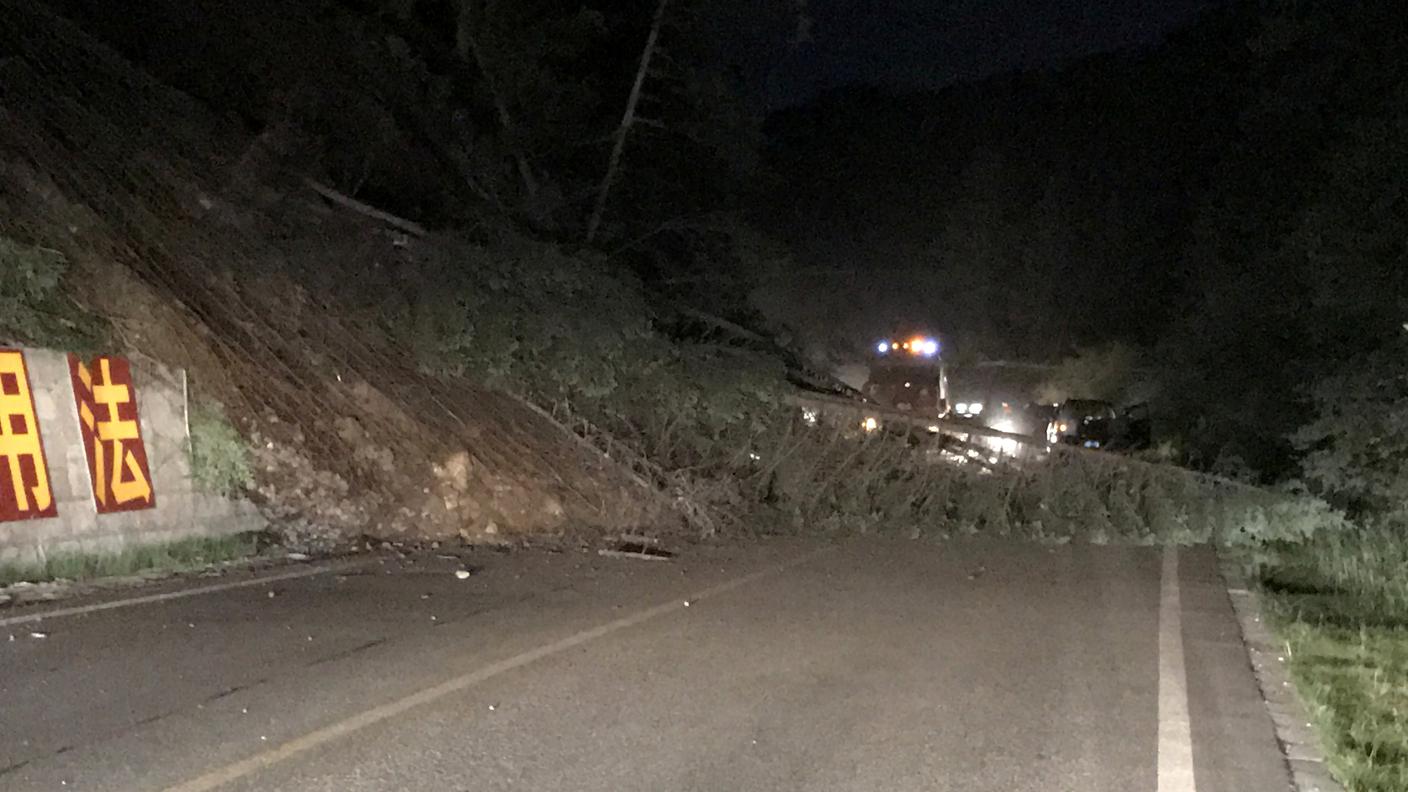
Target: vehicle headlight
pixel 975 407
pixel 961 407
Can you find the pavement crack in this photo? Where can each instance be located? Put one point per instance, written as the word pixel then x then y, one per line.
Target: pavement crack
pixel 345 654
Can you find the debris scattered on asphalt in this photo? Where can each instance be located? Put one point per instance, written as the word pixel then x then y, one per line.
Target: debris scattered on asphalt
pixel 462 574
pixel 493 707
pixel 272 594
pixel 38 634
pixel 630 538
pixel 637 550
pixel 298 556
pixel 686 603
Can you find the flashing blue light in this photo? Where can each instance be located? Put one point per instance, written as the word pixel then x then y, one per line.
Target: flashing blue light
pixel 882 347
pixel 929 347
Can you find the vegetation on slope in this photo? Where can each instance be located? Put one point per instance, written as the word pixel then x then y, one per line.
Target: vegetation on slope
pixel 35 308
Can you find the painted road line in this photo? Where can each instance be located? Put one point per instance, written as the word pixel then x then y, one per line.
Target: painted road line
pixel 339 729
pixel 30 618
pixel 1175 729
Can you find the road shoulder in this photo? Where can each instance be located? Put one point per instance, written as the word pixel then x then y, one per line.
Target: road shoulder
pixel 1297 739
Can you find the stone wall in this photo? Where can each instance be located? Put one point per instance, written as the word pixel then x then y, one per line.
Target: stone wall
pixel 174 508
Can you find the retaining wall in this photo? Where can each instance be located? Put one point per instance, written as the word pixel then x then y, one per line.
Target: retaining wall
pixel 115 466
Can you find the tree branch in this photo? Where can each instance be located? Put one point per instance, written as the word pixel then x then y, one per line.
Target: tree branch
pixel 346 201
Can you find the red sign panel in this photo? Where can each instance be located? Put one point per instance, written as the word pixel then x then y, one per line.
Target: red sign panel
pixel 24 472
pixel 112 435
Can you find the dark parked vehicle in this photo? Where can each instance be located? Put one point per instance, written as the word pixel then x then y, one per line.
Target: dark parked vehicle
pixel 1132 430
pixel 1035 419
pixel 1082 422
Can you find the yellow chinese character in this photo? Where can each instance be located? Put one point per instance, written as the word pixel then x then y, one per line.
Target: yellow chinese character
pixel 19 437
pixel 113 432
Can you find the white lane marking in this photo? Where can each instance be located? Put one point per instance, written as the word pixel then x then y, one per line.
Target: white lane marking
pixel 128 602
pixel 339 729
pixel 1175 728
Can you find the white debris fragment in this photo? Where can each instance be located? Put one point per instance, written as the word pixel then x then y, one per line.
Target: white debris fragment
pixel 686 603
pixel 298 556
pixel 462 574
pixel 38 634
pixel 493 707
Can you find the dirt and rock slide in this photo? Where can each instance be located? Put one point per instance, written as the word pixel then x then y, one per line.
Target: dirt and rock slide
pixel 202 250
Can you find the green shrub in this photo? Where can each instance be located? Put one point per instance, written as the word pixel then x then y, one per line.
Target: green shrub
pixel 33 307
pixel 220 461
pixel 570 332
pixel 175 556
pixel 1356 447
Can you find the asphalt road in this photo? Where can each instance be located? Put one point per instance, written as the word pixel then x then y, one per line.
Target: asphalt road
pixel 867 665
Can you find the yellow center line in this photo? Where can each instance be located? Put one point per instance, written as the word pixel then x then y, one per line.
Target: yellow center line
pixel 342 728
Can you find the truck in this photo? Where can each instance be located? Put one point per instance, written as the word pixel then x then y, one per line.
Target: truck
pixel 907 373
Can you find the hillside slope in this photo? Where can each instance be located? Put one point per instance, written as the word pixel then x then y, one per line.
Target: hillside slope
pixel 187 236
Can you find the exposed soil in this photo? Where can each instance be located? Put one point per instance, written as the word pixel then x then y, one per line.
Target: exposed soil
pixel 205 252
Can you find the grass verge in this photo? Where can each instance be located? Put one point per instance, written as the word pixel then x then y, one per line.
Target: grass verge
pixel 1339 605
pixel 184 554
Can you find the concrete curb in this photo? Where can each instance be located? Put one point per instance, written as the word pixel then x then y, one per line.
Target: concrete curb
pixel 1299 743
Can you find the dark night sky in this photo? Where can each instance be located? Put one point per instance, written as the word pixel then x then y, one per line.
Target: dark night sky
pixel 928 43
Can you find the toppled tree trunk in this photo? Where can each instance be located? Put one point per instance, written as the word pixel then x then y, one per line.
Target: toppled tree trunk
pixel 628 118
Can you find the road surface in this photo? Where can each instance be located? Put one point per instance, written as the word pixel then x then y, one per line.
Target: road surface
pixel 880 665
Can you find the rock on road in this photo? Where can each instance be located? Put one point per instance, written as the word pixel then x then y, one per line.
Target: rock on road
pixel 876 665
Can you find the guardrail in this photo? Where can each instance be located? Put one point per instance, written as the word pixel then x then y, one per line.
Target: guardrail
pixel 1016 447
pixel 974 478
pixel 889 414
